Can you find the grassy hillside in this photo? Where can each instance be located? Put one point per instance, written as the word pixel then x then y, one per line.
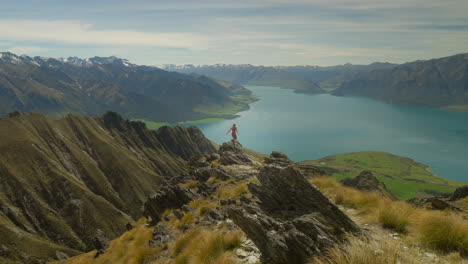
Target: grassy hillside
pixel 404 177
pixel 61 180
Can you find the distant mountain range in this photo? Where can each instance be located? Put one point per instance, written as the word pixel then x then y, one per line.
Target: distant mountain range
pixel 439 83
pixel 93 86
pixel 247 74
pixel 303 79
pixel 330 78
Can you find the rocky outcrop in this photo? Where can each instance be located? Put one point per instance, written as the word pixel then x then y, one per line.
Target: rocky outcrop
pixel 311 171
pixel 203 174
pixel 277 158
pixel 460 193
pixel 168 197
pixel 366 181
pixel 231 153
pixel 292 220
pixel 161 235
pixel 100 242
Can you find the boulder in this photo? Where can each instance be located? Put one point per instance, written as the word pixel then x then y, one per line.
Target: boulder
pixel 212 157
pixel 366 181
pixel 278 158
pixel 198 161
pixel 311 171
pixel 203 174
pixel 100 242
pixel 168 197
pixel 232 153
pixel 460 193
pixel 161 235
pixel 292 220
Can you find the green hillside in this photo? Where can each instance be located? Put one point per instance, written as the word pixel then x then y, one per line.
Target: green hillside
pixel 404 177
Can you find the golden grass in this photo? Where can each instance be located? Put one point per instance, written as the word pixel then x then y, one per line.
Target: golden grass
pixel 185 240
pixel 443 231
pixel 395 215
pixel 233 191
pixel 132 248
pixel 186 220
pixel 346 196
pixel 359 251
pixel 207 247
pixel 212 179
pixel 189 184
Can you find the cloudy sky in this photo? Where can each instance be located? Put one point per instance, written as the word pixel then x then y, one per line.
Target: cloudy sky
pixel 260 32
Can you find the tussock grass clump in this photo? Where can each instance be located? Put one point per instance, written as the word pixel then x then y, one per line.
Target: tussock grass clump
pixel 132 247
pixel 325 183
pixel 233 191
pixel 185 240
pixel 443 231
pixel 186 220
pixel 395 215
pixel 189 184
pixel 202 206
pixel 207 247
pixel 360 251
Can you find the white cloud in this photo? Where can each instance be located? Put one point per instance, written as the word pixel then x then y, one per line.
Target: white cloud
pixel 26 49
pixel 71 32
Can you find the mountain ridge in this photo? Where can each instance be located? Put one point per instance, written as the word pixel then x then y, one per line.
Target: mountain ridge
pixel 441 83
pixel 62 180
pixel 99 84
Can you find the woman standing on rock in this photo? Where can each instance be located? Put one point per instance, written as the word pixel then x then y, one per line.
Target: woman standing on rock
pixel 234 132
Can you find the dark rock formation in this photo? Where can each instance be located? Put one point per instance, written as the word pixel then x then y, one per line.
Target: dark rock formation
pixel 198 161
pixel 129 226
pixel 277 158
pixel 203 174
pixel 161 235
pixel 205 189
pixel 168 197
pixel 311 171
pixel 213 157
pixel 460 193
pixel 366 181
pixel 439 204
pixel 100 242
pixel 231 153
pixel 292 220
pixel 433 203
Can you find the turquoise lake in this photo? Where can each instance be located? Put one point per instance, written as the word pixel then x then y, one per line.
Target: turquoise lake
pixel 308 126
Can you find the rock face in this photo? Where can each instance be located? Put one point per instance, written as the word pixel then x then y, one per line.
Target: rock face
pixel 231 153
pixel 433 203
pixel 277 158
pixel 292 220
pixel 460 193
pixel 366 181
pixel 100 242
pixel 311 171
pixel 168 197
pixel 203 174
